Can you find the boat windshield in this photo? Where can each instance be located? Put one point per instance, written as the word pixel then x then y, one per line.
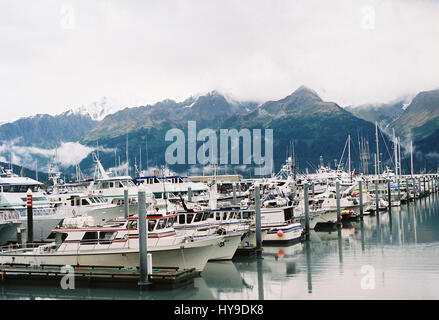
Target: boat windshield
pixel 19 188
pixel 127 183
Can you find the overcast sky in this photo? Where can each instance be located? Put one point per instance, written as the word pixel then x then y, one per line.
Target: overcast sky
pixel 57 55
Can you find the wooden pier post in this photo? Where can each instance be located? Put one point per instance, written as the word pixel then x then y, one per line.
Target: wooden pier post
pixel 125 202
pixel 306 206
pixel 258 222
pixel 337 191
pixel 143 238
pixel 30 217
pixel 360 187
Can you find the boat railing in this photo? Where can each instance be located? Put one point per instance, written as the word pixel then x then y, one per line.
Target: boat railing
pixel 27 247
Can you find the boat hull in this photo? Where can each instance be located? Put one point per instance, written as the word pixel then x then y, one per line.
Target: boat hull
pixel 283 234
pixel 184 256
pixel 8 231
pixel 226 249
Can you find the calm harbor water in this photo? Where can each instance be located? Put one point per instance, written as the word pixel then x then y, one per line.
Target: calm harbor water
pixel 388 256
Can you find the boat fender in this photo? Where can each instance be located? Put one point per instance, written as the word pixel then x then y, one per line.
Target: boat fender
pixel 73 212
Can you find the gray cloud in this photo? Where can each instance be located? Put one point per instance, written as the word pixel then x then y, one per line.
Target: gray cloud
pixel 55 56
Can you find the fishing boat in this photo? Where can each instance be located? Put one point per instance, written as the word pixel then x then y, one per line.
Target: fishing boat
pixel 79 242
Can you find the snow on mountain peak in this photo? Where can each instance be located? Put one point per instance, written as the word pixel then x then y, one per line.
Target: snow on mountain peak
pixel 97 110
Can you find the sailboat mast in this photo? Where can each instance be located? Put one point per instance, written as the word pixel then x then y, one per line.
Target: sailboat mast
pixel 399 156
pixel 127 172
pixel 349 156
pixel 378 152
pixel 395 147
pixel 411 155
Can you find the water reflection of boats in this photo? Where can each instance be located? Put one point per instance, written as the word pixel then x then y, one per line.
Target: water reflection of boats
pixel 319 236
pixel 280 252
pixel 223 277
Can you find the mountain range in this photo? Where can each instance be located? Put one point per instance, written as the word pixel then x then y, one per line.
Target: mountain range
pixel 301 120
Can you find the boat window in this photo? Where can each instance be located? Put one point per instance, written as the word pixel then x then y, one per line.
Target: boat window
pixel 111 185
pixel 205 216
pixel 198 217
pixel 181 219
pixel 238 215
pixel 246 215
pixel 132 225
pixel 151 224
pixel 218 216
pixel 161 224
pixel 288 214
pixel 106 237
pixel 92 200
pixel 211 215
pixel 224 215
pixel 84 202
pixel 90 237
pixel 170 222
pixel 189 218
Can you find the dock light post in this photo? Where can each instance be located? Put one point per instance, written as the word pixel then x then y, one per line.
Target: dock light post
pixel 337 192
pixel 125 202
pixel 360 187
pixel 30 217
pixel 306 206
pixel 258 222
pixel 143 238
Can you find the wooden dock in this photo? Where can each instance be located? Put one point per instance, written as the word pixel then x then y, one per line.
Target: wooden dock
pixel 87 276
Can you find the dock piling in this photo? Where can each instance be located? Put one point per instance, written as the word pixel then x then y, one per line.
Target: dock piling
pixel 377 199
pixel 360 187
pixel 337 191
pixel 125 202
pixel 189 194
pixel 258 222
pixel 389 195
pixel 143 238
pixel 306 206
pixel 30 217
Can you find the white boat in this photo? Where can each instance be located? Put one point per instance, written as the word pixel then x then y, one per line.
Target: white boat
pixel 9 222
pixel 116 244
pixel 13 193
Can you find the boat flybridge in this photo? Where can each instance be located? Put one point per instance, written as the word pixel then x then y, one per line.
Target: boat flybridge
pixel 80 242
pixel 13 193
pixel 171 185
pixel 112 187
